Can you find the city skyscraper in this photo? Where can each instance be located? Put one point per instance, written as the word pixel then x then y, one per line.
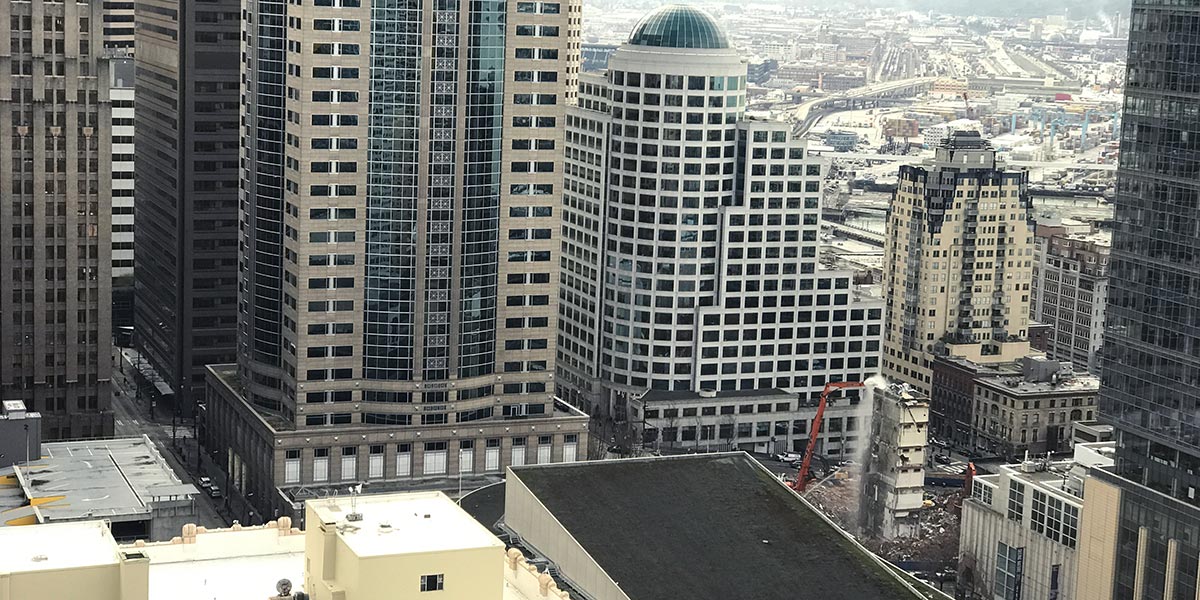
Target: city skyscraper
pixel 402 169
pixel 1150 377
pixel 55 146
pixel 186 192
pixel 691 236
pixel 957 262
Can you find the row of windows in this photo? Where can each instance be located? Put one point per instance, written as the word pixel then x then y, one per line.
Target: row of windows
pixel 676 82
pixel 434 458
pixel 539 53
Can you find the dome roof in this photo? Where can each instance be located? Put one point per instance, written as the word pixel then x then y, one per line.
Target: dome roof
pixel 679 26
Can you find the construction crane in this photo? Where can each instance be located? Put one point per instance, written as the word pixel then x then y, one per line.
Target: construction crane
pixel 802 476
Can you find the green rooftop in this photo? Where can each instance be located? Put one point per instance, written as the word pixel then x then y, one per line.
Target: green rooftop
pixel 679 26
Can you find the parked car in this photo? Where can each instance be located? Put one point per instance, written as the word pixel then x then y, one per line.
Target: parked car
pixel 214 492
pixel 788 457
pixel 204 482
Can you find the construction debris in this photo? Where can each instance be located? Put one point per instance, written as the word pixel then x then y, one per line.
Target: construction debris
pixel 935 547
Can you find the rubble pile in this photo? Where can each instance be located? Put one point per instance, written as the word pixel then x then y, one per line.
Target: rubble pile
pixel 839 501
pixel 937 542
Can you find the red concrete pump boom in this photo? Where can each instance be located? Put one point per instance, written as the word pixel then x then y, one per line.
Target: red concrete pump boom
pixel 802 476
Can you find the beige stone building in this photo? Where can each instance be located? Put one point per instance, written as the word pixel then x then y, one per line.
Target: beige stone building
pixel 399 256
pixel 957 264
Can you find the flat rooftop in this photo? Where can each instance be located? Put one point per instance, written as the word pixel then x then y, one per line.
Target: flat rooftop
pixel 1015 384
pixel 114 479
pixel 706 527
pixel 411 523
pixel 225 564
pixel 56 546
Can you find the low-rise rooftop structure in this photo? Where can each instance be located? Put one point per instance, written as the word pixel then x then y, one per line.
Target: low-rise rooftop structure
pixel 365 548
pixel 125 481
pixel 20 433
pixel 1021 526
pixel 1033 411
pixel 703 527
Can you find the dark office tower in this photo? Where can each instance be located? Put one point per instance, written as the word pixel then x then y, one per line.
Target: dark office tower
pixel 187 189
pixel 1150 388
pixel 55 251
pixel 401 178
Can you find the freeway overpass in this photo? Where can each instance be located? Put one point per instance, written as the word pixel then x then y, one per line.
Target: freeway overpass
pixel 888 92
pixel 1030 164
pixel 861 234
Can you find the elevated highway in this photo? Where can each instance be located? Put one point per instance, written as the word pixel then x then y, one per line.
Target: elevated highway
pixel 888 92
pixel 1029 164
pixel 856 233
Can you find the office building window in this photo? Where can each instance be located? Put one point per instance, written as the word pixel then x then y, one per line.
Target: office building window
pixel 466 456
pixel 403 460
pixel 432 583
pixel 435 458
pixel 291 466
pixel 1016 501
pixel 1009 567
pixel 491 455
pixel 518 452
pixel 320 464
pixel 349 463
pixel 375 462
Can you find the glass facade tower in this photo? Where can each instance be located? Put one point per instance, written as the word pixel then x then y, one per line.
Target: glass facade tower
pixel 401 176
pixel 1151 372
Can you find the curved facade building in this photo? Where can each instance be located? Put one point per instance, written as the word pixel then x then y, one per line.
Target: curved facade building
pixel 678 92
pixel 402 170
pixel 691 235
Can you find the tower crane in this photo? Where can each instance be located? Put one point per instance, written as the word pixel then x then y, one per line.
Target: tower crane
pixel 815 431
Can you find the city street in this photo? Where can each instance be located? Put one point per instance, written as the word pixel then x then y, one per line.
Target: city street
pixel 133 419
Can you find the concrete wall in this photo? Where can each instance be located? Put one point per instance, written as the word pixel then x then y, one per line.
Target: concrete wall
pixel 1098 540
pixel 15 445
pixel 126 579
pixel 983 529
pixel 525 515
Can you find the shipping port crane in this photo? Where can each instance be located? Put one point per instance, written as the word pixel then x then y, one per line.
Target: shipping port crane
pixel 815 431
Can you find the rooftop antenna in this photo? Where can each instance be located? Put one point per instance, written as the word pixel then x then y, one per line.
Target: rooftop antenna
pixel 354 515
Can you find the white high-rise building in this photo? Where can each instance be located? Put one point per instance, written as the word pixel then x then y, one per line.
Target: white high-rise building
pixel 690 236
pixel 121 94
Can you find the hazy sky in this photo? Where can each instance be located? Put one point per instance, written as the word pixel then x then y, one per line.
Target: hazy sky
pixel 1015 8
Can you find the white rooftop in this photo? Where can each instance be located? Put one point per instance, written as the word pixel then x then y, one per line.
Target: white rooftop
pixel 226 564
pixel 56 546
pixel 115 479
pixel 408 524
